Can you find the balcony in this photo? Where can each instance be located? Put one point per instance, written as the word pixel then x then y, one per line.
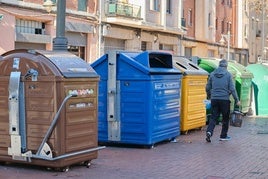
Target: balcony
pixel 115 8
pixel 33 38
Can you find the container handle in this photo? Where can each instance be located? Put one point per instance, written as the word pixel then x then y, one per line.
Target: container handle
pixel 53 123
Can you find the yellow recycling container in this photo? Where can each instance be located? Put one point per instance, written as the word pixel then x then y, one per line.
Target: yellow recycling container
pixel 194 80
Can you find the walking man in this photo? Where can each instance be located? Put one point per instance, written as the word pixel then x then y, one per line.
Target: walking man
pixel 219 87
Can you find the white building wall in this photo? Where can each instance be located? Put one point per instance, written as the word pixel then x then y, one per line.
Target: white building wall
pixel 240 21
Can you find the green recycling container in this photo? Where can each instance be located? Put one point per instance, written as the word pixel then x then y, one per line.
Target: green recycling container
pixel 260 88
pixel 243 83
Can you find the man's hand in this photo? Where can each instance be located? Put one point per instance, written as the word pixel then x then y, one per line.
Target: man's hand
pixel 238 103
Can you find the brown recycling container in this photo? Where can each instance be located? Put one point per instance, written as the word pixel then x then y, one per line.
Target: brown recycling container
pixel 48 109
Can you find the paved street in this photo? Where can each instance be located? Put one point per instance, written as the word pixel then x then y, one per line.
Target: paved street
pixel 245 156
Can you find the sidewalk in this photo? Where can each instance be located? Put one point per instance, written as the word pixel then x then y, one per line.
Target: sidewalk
pixel 245 156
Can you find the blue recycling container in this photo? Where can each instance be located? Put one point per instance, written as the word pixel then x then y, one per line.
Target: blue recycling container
pixel 139 97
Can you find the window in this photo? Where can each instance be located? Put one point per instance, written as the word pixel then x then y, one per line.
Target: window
pixel 222 26
pixel 243 59
pixel 30 27
pixel 229 3
pixel 169 6
pixel 229 25
pixel 190 17
pixel 245 31
pixel 113 44
pixel 210 53
pixel 54 1
pixel 183 22
pixel 143 46
pixel 216 24
pixel 166 47
pixel 187 52
pixel 246 6
pixel 155 5
pixel 82 5
pixel 78 51
pixel 209 20
pixel 252 23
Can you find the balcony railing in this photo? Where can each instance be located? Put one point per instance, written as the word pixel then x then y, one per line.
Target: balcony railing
pixel 116 8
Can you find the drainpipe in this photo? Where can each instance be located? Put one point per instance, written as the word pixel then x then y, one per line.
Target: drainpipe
pixel 100 28
pixel 263 35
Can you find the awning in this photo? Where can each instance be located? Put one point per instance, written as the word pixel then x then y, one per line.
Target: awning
pixel 78 27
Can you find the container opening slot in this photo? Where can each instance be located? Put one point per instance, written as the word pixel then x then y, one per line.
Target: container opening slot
pixel 195 67
pixel 181 65
pixel 160 61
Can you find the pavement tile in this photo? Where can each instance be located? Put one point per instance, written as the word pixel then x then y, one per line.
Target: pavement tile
pixel 245 156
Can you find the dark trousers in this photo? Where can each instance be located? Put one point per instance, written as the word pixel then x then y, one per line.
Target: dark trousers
pixel 219 107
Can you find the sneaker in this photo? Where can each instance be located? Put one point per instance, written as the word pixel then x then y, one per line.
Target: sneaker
pixel 208 137
pixel 225 139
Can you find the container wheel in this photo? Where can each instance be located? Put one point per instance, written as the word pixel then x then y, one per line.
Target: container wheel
pixel 151 146
pixel 184 132
pixel 87 163
pixel 250 112
pixel 4 163
pixel 48 169
pixel 65 169
pixel 173 140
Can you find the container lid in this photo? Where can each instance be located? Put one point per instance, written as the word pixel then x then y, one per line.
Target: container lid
pixel 46 63
pixel 156 62
pixel 260 73
pixel 187 67
pixel 241 70
pixel 135 65
pixel 210 64
pixel 70 65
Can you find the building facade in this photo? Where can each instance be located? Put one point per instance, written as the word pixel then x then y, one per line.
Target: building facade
pixel 29 24
pixel 141 25
pixel 199 18
pixel 256 13
pixel 93 27
pixel 208 22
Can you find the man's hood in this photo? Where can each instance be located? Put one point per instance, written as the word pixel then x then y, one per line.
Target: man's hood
pixel 220 72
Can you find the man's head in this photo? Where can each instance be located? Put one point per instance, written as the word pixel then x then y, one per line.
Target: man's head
pixel 223 63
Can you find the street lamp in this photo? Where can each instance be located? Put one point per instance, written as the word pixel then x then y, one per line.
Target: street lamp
pixel 60 42
pixel 48 5
pixel 222 42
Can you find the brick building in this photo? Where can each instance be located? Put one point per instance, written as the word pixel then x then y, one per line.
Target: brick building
pixel 28 24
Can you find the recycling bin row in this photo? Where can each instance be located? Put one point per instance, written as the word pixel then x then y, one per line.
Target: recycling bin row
pixel 55 108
